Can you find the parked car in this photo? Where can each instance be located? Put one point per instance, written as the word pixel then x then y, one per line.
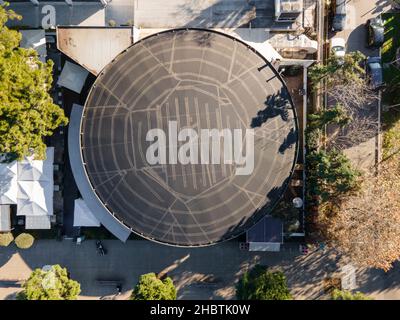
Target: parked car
pixel 338 47
pixel 339 18
pixel 374 72
pixel 375 32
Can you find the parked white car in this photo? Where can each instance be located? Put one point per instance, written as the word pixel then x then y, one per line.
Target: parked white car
pixel 338 46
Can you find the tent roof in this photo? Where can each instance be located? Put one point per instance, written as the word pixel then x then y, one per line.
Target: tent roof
pixel 5 221
pixel 35 198
pixel 83 217
pixel 37 222
pixel 8 183
pixel 37 170
pixel 73 77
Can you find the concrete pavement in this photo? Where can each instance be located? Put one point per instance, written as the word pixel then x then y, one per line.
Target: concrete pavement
pixel 190 268
pixel 125 262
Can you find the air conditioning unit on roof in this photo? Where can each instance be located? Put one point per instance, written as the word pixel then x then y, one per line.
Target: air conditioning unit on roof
pixel 296 6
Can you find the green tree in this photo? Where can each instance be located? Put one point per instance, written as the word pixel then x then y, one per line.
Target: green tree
pixel 261 284
pixel 335 115
pixel 150 287
pixel 347 295
pixel 27 111
pixel 338 70
pixel 330 174
pixel 53 284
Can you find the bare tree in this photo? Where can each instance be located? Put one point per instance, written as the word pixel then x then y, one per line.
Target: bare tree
pixel 359 130
pixel 354 96
pixel 365 226
pixel 359 103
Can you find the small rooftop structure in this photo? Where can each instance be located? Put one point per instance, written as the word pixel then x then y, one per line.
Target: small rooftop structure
pixel 93 47
pixel 288 45
pixel 266 235
pixel 83 217
pixel 29 185
pixel 35 190
pixel 5 221
pixel 288 10
pixel 73 77
pixel 37 222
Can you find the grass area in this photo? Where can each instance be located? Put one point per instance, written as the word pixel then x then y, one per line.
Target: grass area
pixel 391 73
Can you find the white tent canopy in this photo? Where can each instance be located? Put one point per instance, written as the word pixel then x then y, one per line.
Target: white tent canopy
pixel 35 198
pixel 29 185
pixel 37 170
pixel 83 217
pixel 8 183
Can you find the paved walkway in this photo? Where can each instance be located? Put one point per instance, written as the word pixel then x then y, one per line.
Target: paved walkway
pixel 224 263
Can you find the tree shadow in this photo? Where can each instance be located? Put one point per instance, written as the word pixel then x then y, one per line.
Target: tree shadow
pixel 290 140
pixel 277 104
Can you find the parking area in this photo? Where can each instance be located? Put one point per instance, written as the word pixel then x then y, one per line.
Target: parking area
pixel 366 154
pixel 358 12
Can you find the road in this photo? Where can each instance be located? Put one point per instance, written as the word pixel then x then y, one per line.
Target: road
pixel 366 154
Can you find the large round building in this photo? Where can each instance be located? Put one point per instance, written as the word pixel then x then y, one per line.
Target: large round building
pixel 188 138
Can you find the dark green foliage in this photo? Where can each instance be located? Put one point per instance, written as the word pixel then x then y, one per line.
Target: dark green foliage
pixel 150 287
pixel 27 111
pixel 347 295
pixel 330 174
pixel 335 115
pixel 261 284
pixel 338 70
pixel 288 214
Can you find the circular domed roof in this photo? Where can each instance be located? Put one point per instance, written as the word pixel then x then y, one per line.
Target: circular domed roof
pixel 155 110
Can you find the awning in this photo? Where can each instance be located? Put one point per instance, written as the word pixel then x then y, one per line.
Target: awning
pixel 83 217
pixel 8 183
pixel 5 220
pixel 73 77
pixel 37 222
pixel 35 198
pixel 37 170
